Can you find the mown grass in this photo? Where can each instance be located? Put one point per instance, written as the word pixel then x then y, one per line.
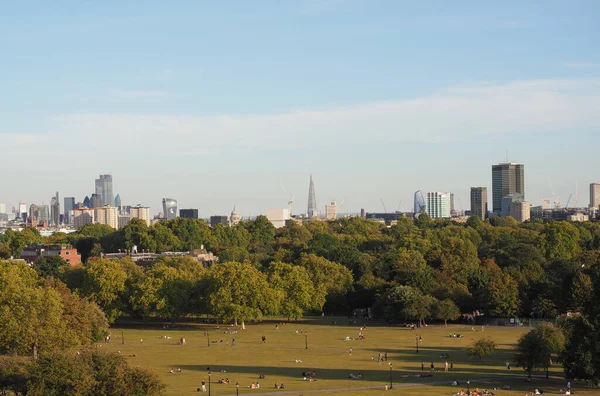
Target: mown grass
pixel 327 354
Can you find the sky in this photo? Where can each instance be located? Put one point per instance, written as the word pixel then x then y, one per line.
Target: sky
pixel 234 102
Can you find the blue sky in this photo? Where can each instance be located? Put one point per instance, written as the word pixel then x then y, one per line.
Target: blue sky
pixel 219 103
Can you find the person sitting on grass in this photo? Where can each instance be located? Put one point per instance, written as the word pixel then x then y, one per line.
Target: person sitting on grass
pixel 252 386
pixel 281 386
pixel 261 376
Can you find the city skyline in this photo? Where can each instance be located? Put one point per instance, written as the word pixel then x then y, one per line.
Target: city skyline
pixel 376 100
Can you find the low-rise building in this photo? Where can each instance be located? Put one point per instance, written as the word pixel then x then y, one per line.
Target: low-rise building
pixel 67 253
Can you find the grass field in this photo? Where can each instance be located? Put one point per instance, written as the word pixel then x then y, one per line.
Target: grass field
pixel 327 354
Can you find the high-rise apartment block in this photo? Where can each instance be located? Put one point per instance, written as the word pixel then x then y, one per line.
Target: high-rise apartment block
pixel 188 213
pixel 140 212
pixel 108 215
pixel 595 195
pixel 104 191
pixel 438 205
pixel 507 179
pixel 331 211
pixel 479 202
pixel 83 216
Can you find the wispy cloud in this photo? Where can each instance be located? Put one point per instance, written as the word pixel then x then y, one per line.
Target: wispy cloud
pixel 119 95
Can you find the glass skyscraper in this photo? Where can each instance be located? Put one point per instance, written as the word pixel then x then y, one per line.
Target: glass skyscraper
pixel 104 190
pixel 507 179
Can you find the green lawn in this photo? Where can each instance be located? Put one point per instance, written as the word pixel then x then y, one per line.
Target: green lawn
pixel 327 354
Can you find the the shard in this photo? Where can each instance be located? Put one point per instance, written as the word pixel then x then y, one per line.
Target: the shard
pixel 312 200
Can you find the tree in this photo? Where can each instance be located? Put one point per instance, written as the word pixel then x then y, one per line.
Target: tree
pixel 535 348
pixel 446 310
pixel 103 283
pixel 581 356
pixel 581 291
pixel 502 296
pixel 482 347
pixel 296 288
pixel 328 277
pixel 239 292
pixel 49 265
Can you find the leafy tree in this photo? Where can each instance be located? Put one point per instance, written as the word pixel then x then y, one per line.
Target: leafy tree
pixel 481 348
pixel 193 233
pixel 295 286
pixel 581 291
pixel 5 251
pixel 502 296
pixel 328 278
pixel 164 238
pixel 446 310
pixel 49 265
pixel 535 348
pixel 581 356
pixel 239 292
pixel 103 283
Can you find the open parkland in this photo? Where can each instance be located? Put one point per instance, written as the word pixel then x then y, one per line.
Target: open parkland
pixel 332 349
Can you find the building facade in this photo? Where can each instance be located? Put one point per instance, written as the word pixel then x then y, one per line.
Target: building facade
pixel 188 213
pixel 55 210
pixel 108 215
pixel 507 179
pixel 83 216
pixel 331 211
pixel 169 208
pixel 278 217
pixel 235 217
pixel 438 205
pixel 140 212
pixel 520 210
pixel 104 190
pixel 69 205
pixel 214 220
pixel 479 202
pixel 595 195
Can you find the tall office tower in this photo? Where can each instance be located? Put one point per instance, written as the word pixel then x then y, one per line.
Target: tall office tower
pixel 438 205
pixel 479 202
pixel 169 208
pixel 312 200
pixel 69 205
pixel 331 211
pixel 55 210
pixel 33 213
pixel 507 179
pixel 83 216
pixel 104 190
pixel 419 204
pixel 223 220
pixel 22 211
pixel 43 214
pixel 96 201
pixel 188 213
pixel 108 215
pixel 86 201
pixel 140 212
pixel 594 195
pixel 2 208
pixel 118 202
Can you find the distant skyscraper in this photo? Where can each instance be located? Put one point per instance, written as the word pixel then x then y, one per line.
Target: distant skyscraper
pixel 2 208
pixel 188 213
pixel 118 202
pixel 86 202
pixel 331 211
pixel 169 208
pixel 104 190
pixel 22 211
pixel 43 214
pixel 214 220
pixel 419 205
pixel 33 213
pixel 479 202
pixel 96 201
pixel 594 195
pixel 312 200
pixel 520 211
pixel 506 179
pixel 55 210
pixel 438 205
pixel 69 205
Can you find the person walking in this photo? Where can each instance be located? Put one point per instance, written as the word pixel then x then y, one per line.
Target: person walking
pixel 203 386
pixel 423 366
pixel 446 366
pixel 350 351
pixel 385 356
pixel 451 364
pixel 432 367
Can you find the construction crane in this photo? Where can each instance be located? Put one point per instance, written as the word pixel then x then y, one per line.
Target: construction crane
pixel 569 200
pixel 398 210
pixel 384 209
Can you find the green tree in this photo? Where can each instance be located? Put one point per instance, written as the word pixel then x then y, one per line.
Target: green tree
pixel 446 310
pixel 164 238
pixel 103 283
pixel 536 348
pixel 328 278
pixel 239 292
pixel 581 356
pixel 502 296
pixel 49 265
pixel 295 286
pixel 581 291
pixel 481 348
pixel 528 352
